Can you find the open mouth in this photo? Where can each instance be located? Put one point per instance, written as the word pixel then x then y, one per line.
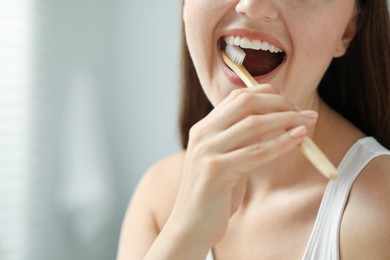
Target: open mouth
pixel 261 57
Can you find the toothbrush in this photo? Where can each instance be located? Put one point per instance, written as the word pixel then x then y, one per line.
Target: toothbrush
pixel 234 58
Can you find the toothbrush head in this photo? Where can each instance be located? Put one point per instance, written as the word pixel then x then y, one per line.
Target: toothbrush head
pixel 235 53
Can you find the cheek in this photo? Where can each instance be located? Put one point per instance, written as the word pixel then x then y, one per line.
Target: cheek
pixel 199 15
pixel 198 32
pixel 315 41
pixel 321 29
pixel 201 20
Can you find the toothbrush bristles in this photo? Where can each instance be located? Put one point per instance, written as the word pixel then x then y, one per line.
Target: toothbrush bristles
pixel 235 53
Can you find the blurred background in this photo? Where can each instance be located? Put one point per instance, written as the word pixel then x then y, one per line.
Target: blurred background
pixel 88 101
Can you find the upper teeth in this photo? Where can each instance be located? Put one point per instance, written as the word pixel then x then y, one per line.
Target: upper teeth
pixel 246 43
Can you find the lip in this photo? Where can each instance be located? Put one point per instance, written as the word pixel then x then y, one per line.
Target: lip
pixel 231 75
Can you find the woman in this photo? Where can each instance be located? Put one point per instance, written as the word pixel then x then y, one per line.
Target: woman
pixel 241 189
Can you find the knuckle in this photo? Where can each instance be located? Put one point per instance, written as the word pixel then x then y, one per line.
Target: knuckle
pixel 236 92
pixel 265 88
pixel 284 145
pixel 270 88
pixel 256 151
pixel 214 164
pixel 197 132
pixel 255 155
pixel 293 117
pixel 246 98
pixel 253 121
pixel 288 119
pixel 203 149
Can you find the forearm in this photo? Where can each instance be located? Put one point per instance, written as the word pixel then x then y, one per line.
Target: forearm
pixel 174 243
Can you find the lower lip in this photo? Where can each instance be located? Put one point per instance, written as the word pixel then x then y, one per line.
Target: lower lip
pixel 235 79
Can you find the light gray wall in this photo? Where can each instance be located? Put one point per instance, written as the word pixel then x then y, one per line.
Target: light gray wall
pixel 147 58
pixel 116 60
pixel 141 88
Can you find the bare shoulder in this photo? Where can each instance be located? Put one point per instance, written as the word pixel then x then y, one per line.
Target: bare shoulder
pixel 150 207
pixel 365 229
pixel 159 186
pixel 163 180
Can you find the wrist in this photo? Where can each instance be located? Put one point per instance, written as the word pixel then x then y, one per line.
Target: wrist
pixel 178 241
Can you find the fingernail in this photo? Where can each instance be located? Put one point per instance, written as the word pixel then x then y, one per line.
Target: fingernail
pixel 297 132
pixel 310 114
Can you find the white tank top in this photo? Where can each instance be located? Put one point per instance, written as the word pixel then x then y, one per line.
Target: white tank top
pixel 324 239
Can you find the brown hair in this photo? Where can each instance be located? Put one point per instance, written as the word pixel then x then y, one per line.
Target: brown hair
pixel 194 103
pixel 356 85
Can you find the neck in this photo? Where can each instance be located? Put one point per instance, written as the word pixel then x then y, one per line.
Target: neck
pixel 287 173
pixel 293 170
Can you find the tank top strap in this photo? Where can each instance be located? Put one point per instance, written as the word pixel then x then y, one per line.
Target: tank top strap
pixel 324 240
pixel 210 255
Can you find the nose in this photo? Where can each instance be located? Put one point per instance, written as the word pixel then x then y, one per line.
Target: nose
pixel 257 9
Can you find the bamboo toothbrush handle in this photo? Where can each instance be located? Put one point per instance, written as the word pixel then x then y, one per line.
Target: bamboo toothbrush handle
pixel 318 158
pixel 241 71
pixel 308 147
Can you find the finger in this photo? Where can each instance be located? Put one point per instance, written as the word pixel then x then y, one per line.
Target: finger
pixel 259 89
pixel 254 128
pixel 248 158
pixel 247 104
